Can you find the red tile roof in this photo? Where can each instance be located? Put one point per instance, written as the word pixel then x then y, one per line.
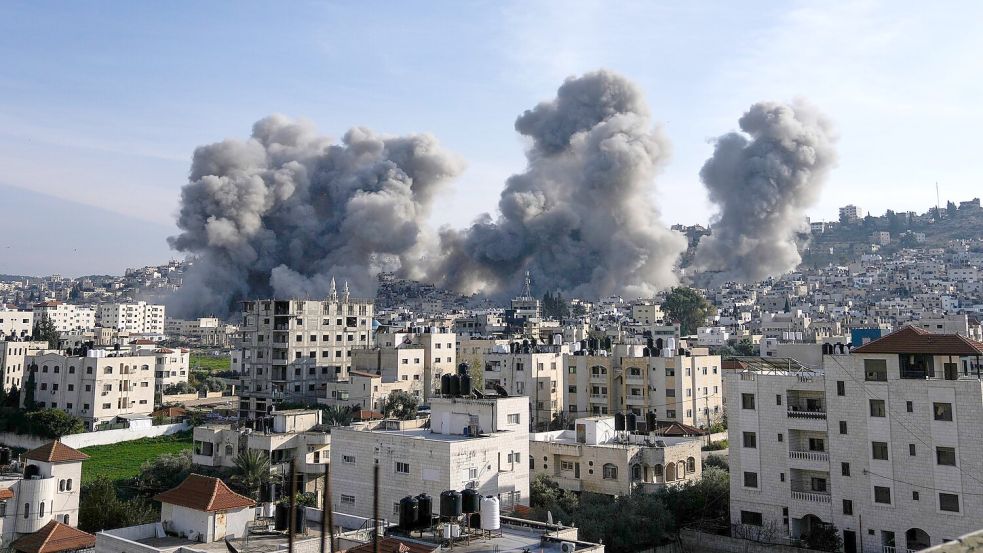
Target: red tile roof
pixel 910 339
pixel 54 537
pixel 55 452
pixel 669 428
pixel 6 493
pixel 204 493
pixel 394 545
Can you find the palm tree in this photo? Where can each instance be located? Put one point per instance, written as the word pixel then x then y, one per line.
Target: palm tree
pixel 252 471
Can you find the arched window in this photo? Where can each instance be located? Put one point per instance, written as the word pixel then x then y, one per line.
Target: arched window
pixel 228 449
pixel 690 465
pixel 67 519
pixel 659 474
pixel 680 469
pixel 610 471
pixel 670 472
pixel 27 510
pixel 41 510
pixel 636 472
pixel 61 485
pixel 68 486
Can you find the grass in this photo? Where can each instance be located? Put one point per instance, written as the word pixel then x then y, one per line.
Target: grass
pixel 122 461
pixel 210 363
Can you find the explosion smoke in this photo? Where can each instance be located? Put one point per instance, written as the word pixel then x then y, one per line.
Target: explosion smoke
pixel 762 186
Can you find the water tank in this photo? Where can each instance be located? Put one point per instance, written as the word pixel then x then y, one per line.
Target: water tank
pixel 465 380
pixel 300 523
pixel 462 368
pixel 631 422
pixel 4 456
pixel 646 352
pixel 450 504
pixel 619 422
pixel 455 385
pixel 282 519
pixel 650 420
pixel 470 501
pixel 455 530
pixel 409 512
pixel 445 385
pixel 424 511
pixel 491 517
pixel 447 531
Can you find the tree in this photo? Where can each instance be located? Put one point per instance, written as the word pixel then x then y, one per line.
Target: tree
pixel 45 331
pixel 400 405
pixel 179 388
pixel 338 416
pixel 687 307
pixel 951 208
pixel 545 495
pixel 823 537
pixel 211 384
pixel 554 307
pixel 163 472
pixel 716 461
pixel 53 423
pixel 100 508
pixel 745 347
pixel 252 470
pixel 704 502
pixel 579 310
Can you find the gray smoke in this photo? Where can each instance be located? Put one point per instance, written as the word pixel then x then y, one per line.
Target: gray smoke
pixel 580 217
pixel 286 210
pixel 762 181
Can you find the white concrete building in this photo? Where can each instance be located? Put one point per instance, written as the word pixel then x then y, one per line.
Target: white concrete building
pixel 470 443
pixel 712 336
pixel 596 458
pixel 137 318
pixel 13 361
pixel 883 443
pixel 535 372
pixel 65 316
pixel 15 324
pixel 203 508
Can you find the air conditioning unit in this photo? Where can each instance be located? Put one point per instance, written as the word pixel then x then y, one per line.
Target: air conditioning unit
pixel 567 547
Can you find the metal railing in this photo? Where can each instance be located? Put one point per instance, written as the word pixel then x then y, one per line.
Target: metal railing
pixel 811 496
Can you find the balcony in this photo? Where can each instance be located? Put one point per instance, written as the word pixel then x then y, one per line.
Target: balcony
pixel 801 412
pixel 599 397
pixel 599 377
pixel 569 483
pixel 822 456
pixel 813 497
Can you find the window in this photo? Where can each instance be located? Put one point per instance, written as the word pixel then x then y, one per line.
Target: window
pixel 61 485
pixel 882 494
pixel 566 465
pixel 845 469
pixel 842 427
pixel 840 388
pixel 348 500
pixel 27 510
pixel 817 444
pixel 781 437
pixel 818 484
pixel 847 507
pixel 914 496
pixel 68 485
pixel 747 401
pixel 750 480
pixel 610 471
pixel 751 518
pixel 750 440
pixel 670 392
pixel 402 468
pixel 879 450
pixel 910 407
pixel 942 411
pixel 781 476
pixel 350 459
pixel 911 450
pixel 875 370
pixel 945 456
pixel 877 407
pixel 513 418
pixel 778 399
pixel 41 508
pixel 949 502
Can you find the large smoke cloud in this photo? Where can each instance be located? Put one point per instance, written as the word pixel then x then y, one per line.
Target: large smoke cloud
pixel 283 212
pixel 580 217
pixel 763 181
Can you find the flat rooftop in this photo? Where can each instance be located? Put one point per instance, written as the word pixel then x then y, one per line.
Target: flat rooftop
pixel 421 434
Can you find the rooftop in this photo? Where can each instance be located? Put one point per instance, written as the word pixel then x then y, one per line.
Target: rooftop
pixel 204 493
pixel 912 339
pixel 54 537
pixel 55 452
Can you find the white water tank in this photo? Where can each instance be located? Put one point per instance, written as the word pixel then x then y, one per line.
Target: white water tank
pixel 455 530
pixel 491 517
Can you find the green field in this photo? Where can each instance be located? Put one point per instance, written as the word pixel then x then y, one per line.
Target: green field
pixel 210 363
pixel 123 460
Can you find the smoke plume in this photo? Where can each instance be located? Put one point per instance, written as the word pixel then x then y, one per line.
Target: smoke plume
pixel 580 217
pixel 284 211
pixel 762 180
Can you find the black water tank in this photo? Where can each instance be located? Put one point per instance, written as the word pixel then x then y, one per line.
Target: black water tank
pixel 470 501
pixel 424 511
pixel 4 456
pixel 282 516
pixel 409 512
pixel 450 504
pixel 650 421
pixel 300 524
pixel 645 352
pixel 455 388
pixel 631 422
pixel 462 368
pixel 445 384
pixel 619 421
pixel 465 384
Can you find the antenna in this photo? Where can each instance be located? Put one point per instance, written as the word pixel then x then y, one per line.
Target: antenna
pixel 938 202
pixel 527 288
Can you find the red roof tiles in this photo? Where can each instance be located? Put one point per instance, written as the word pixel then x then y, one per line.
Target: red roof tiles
pixel 204 493
pixel 55 452
pixel 54 537
pixel 6 493
pixel 910 339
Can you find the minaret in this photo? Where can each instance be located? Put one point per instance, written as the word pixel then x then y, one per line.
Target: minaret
pixel 333 295
pixel 527 287
pixel 347 293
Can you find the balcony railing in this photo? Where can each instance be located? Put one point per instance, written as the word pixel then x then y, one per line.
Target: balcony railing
pixel 815 497
pixel 895 549
pixel 600 397
pixel 806 414
pixel 809 455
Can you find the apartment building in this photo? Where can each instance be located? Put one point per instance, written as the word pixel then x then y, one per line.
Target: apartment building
pixel 44 488
pixel 531 371
pixel 436 344
pixel 647 312
pixel 596 458
pixel 882 442
pixel 171 366
pixel 470 443
pixel 65 316
pixel 137 318
pixel 287 437
pixel 13 358
pixel 680 385
pixel 203 331
pixel 291 349
pixel 15 324
pixel 97 387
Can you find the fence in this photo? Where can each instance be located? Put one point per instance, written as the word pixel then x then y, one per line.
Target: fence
pixel 87 439
pixel 692 540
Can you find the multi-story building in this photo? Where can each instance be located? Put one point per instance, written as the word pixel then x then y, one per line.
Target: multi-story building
pixel 204 331
pixel 470 443
pixel 882 442
pixel 45 489
pixel 532 371
pixel 171 366
pixel 13 357
pixel 434 349
pixel 65 316
pixel 596 458
pixel 97 388
pixel 137 318
pixel 15 324
pixel 293 348
pixel 850 214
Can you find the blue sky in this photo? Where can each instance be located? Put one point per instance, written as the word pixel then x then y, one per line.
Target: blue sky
pixel 102 103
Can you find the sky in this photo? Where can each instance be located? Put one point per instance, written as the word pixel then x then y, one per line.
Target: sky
pixel 102 103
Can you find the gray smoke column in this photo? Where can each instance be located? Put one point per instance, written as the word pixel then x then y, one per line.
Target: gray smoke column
pixel 286 210
pixel 580 217
pixel 762 180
